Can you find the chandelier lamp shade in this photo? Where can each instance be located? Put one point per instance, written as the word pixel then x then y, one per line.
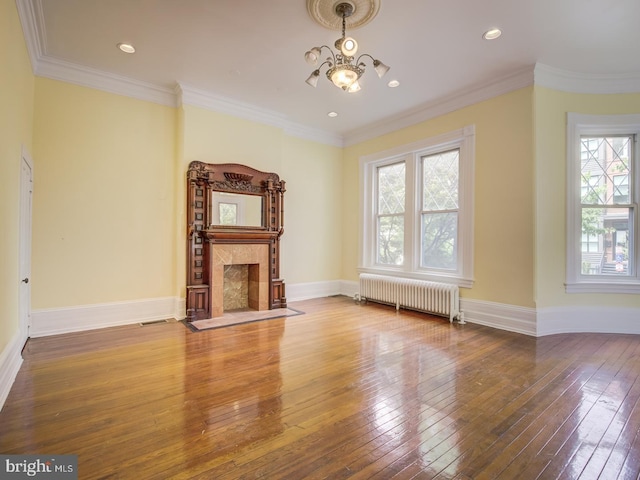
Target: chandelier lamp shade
pixel 342 70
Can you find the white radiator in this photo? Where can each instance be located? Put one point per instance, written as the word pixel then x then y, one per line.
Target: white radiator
pixel 432 297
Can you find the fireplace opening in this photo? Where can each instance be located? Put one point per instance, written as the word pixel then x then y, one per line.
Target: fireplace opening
pixel 240 287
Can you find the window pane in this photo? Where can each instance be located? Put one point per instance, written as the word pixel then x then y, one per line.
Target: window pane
pixel 228 213
pixel 621 189
pixel 391 240
pixel 604 169
pixel 440 181
pixel 391 189
pixel 607 250
pixel 439 234
pixel 590 243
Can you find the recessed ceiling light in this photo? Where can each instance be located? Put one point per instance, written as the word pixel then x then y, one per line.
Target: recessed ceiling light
pixel 126 47
pixel 492 34
pixel 393 83
pixel 332 114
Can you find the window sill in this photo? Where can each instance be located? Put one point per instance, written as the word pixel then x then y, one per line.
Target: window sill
pixel 632 287
pixel 430 277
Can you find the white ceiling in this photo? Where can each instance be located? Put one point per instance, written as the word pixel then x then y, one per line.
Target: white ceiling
pixel 250 53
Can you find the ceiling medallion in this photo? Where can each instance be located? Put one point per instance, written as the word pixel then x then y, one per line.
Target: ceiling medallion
pixel 323 12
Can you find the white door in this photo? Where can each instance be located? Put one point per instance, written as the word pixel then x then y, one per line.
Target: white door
pixel 26 195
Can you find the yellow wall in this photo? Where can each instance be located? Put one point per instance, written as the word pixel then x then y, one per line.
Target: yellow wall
pixel 214 137
pixel 551 108
pixel 312 242
pixel 503 255
pixel 104 209
pixel 310 247
pixel 16 119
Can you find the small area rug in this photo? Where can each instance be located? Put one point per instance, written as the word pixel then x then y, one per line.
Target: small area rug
pixel 239 317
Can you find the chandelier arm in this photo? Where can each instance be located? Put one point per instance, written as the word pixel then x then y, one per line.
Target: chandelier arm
pixel 326 62
pixel 364 55
pixel 333 56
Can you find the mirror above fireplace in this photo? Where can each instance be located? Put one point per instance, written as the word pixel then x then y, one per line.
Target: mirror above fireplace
pixel 236 209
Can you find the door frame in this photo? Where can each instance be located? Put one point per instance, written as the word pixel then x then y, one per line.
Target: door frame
pixel 25 236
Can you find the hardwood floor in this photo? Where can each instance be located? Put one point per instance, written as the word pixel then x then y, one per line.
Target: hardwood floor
pixel 343 391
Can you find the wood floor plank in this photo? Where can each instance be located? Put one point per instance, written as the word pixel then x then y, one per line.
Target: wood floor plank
pixel 622 396
pixel 623 444
pixel 344 391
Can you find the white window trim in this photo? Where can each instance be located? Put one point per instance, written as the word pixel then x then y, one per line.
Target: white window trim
pixel 577 126
pixel 464 139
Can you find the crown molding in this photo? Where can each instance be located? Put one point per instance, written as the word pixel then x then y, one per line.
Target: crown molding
pixel 316 135
pixel 188 95
pixel 57 69
pixel 464 98
pixel 573 82
pixel 30 14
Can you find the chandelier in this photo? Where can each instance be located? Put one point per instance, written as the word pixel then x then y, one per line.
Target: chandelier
pixel 342 70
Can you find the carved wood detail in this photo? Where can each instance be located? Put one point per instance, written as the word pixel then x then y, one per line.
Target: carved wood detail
pixel 202 180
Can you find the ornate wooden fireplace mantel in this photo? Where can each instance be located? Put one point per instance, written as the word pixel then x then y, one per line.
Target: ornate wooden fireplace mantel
pixel 234 215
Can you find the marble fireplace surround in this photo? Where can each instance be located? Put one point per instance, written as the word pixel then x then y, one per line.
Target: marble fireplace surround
pixel 254 255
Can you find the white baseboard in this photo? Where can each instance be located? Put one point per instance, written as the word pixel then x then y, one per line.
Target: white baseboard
pixel 499 315
pixel 305 291
pixel 181 308
pixel 348 288
pixel 553 320
pixel 10 361
pixel 528 321
pixel 54 321
pixel 583 319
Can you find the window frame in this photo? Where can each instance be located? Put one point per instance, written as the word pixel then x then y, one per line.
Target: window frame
pixel 378 216
pixel 462 139
pixel 423 212
pixel 579 125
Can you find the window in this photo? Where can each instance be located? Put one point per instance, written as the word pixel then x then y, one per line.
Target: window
pixel 228 213
pixel 417 209
pixel 602 203
pixel 390 214
pixel 439 215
